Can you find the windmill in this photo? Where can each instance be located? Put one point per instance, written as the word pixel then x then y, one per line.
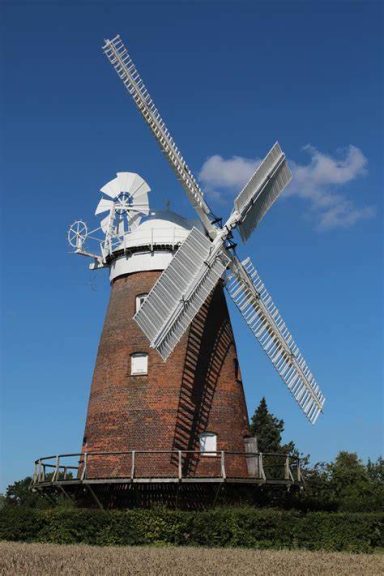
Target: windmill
pixel 167 402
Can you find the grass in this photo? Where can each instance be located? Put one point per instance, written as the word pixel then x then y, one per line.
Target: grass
pixel 21 559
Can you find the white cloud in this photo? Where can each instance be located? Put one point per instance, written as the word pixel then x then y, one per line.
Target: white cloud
pixel 319 183
pixel 221 177
pixel 344 215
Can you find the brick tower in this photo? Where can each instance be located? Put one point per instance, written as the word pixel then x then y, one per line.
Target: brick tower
pixel 193 403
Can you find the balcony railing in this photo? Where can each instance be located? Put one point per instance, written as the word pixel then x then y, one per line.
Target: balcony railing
pixel 167 466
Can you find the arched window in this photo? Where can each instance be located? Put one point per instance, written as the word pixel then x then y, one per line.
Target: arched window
pixel 208 443
pixel 140 300
pixel 139 363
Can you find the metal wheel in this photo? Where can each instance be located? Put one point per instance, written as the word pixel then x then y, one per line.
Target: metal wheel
pixel 77 234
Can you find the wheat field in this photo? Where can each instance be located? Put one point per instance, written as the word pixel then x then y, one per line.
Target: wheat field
pixel 20 559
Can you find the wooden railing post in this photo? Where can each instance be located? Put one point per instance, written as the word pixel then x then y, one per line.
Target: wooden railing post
pixel 57 477
pixel 298 470
pixel 261 467
pixel 56 472
pixel 133 465
pixel 223 473
pixel 180 466
pixel 288 473
pixel 84 470
pixel 286 470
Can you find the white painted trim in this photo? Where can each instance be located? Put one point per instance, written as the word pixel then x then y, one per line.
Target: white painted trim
pixel 140 262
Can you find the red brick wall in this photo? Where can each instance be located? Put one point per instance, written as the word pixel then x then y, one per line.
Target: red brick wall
pixel 198 389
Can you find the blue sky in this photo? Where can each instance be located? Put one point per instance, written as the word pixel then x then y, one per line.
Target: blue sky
pixel 229 79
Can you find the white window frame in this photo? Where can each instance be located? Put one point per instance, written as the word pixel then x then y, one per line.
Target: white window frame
pixel 139 370
pixel 208 444
pixel 140 300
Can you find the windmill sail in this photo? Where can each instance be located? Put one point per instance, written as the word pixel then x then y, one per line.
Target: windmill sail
pixel 258 195
pixel 180 292
pixel 118 55
pixel 256 306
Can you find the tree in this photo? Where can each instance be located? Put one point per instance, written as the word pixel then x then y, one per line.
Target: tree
pixel 346 484
pixel 376 470
pixel 347 470
pixel 356 487
pixel 20 494
pixel 268 429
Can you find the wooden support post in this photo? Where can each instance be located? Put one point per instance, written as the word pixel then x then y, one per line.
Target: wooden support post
pixel 95 497
pixel 65 493
pixel 50 499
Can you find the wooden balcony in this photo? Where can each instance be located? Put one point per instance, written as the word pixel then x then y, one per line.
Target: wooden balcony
pixel 98 473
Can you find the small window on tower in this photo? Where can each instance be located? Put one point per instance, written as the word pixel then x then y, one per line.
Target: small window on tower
pixel 208 443
pixel 139 363
pixel 140 301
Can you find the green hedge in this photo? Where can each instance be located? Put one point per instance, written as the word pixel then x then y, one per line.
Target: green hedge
pixel 245 527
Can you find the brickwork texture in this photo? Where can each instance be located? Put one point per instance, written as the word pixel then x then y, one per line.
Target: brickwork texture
pixel 198 390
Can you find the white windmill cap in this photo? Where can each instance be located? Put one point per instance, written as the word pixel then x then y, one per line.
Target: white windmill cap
pixel 158 234
pixel 160 228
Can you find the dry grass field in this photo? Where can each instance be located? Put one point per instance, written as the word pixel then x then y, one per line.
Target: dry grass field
pixel 19 559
